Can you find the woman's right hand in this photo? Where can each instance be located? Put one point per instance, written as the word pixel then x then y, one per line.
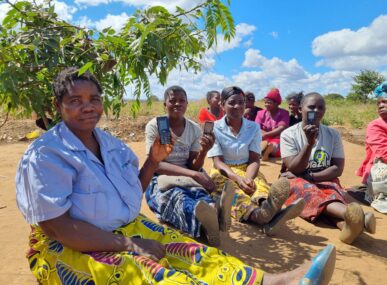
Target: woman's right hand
pixel 148 247
pixel 311 132
pixel 203 179
pixel 246 184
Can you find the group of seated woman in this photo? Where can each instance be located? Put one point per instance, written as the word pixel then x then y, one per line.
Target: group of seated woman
pixel 80 189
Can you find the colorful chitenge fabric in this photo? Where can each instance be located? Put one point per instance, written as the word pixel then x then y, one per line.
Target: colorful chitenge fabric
pixel 243 205
pixel 186 261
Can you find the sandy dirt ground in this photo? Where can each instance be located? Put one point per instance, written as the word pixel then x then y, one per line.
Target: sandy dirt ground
pixel 364 262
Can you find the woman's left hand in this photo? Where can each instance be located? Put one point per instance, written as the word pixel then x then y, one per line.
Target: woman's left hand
pixel 207 141
pixel 158 151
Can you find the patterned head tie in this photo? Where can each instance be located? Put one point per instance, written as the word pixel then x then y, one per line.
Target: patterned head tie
pixel 381 90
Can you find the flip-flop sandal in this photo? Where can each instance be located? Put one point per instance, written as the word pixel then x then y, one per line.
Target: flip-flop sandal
pixel 354 223
pixel 290 212
pixel 208 217
pixel 321 270
pixel 226 199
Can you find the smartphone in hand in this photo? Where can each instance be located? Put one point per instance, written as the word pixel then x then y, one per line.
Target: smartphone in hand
pixel 311 117
pixel 164 131
pixel 208 127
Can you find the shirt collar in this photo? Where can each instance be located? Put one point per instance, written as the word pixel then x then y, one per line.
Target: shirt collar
pixel 72 142
pixel 245 124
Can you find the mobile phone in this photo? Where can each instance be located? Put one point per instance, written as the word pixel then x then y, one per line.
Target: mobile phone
pixel 310 117
pixel 164 131
pixel 208 127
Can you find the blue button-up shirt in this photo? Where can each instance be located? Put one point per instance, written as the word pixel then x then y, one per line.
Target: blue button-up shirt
pixel 58 174
pixel 235 148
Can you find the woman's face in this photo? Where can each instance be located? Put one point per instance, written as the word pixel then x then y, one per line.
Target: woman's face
pixel 176 105
pixel 250 100
pixel 293 106
pixel 314 103
pixel 214 100
pixel 234 106
pixel 382 107
pixel 82 107
pixel 270 105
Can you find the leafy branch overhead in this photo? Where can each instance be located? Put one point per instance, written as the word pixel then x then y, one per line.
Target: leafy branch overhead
pixel 35 45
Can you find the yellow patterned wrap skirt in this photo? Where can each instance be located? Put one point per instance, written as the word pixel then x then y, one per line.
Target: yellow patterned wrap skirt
pixel 186 261
pixel 243 204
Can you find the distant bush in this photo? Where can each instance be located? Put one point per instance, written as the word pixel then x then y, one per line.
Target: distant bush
pixel 333 97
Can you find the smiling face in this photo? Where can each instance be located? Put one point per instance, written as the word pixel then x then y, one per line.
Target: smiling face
pixel 293 106
pixel 176 104
pixel 81 108
pixel 234 106
pixel 316 103
pixel 382 107
pixel 270 105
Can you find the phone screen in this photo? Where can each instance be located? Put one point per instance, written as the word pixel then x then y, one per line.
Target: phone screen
pixel 163 128
pixel 310 117
pixel 208 127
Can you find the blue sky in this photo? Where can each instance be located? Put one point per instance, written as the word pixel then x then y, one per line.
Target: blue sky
pixel 293 45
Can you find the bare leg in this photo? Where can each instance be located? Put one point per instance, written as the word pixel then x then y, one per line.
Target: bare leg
pixel 336 210
pixel 317 271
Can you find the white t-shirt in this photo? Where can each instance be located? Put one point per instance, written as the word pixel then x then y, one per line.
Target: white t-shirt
pixel 328 144
pixel 188 141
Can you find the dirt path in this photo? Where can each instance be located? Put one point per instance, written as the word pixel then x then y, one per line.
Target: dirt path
pixel 364 262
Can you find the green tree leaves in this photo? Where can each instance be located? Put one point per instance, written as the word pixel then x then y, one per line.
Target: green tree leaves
pixel 35 45
pixel 365 82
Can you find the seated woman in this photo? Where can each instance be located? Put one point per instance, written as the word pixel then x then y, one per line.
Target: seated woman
pixel 251 110
pixel 80 189
pixel 314 158
pixel 376 138
pixel 185 208
pixel 236 155
pixel 294 101
pixel 273 120
pixel 213 112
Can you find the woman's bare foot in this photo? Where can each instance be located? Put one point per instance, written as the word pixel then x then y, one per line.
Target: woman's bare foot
pixel 266 153
pixel 319 271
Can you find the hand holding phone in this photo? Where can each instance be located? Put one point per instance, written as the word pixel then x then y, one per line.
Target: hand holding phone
pixel 164 131
pixel 208 127
pixel 311 117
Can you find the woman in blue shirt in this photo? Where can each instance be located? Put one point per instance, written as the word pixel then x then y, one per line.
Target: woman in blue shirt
pixel 236 156
pixel 80 189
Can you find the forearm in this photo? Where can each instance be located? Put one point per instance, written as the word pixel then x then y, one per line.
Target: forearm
pixel 198 162
pixel 225 170
pixel 82 236
pixel 171 169
pixel 300 162
pixel 327 174
pixel 252 170
pixel 274 133
pixel 147 171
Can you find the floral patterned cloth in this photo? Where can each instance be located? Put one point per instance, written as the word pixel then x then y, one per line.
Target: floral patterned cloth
pixel 316 195
pixel 186 262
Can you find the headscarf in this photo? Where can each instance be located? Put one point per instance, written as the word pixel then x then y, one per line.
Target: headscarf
pixel 381 90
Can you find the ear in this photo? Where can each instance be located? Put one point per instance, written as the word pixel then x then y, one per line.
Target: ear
pixel 300 109
pixel 57 106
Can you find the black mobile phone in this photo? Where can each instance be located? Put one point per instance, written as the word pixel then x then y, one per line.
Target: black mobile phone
pixel 208 127
pixel 164 131
pixel 310 117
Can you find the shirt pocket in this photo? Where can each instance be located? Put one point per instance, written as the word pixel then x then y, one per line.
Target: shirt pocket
pixel 86 184
pixel 89 207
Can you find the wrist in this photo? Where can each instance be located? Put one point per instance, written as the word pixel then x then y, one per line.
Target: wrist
pixel 152 161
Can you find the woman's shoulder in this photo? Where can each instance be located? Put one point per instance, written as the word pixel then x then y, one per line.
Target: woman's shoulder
pixel 192 124
pixel 330 130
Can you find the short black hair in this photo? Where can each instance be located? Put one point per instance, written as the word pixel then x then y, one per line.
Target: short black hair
pixel 67 77
pixel 296 96
pixel 230 91
pixel 311 94
pixel 172 89
pixel 211 94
